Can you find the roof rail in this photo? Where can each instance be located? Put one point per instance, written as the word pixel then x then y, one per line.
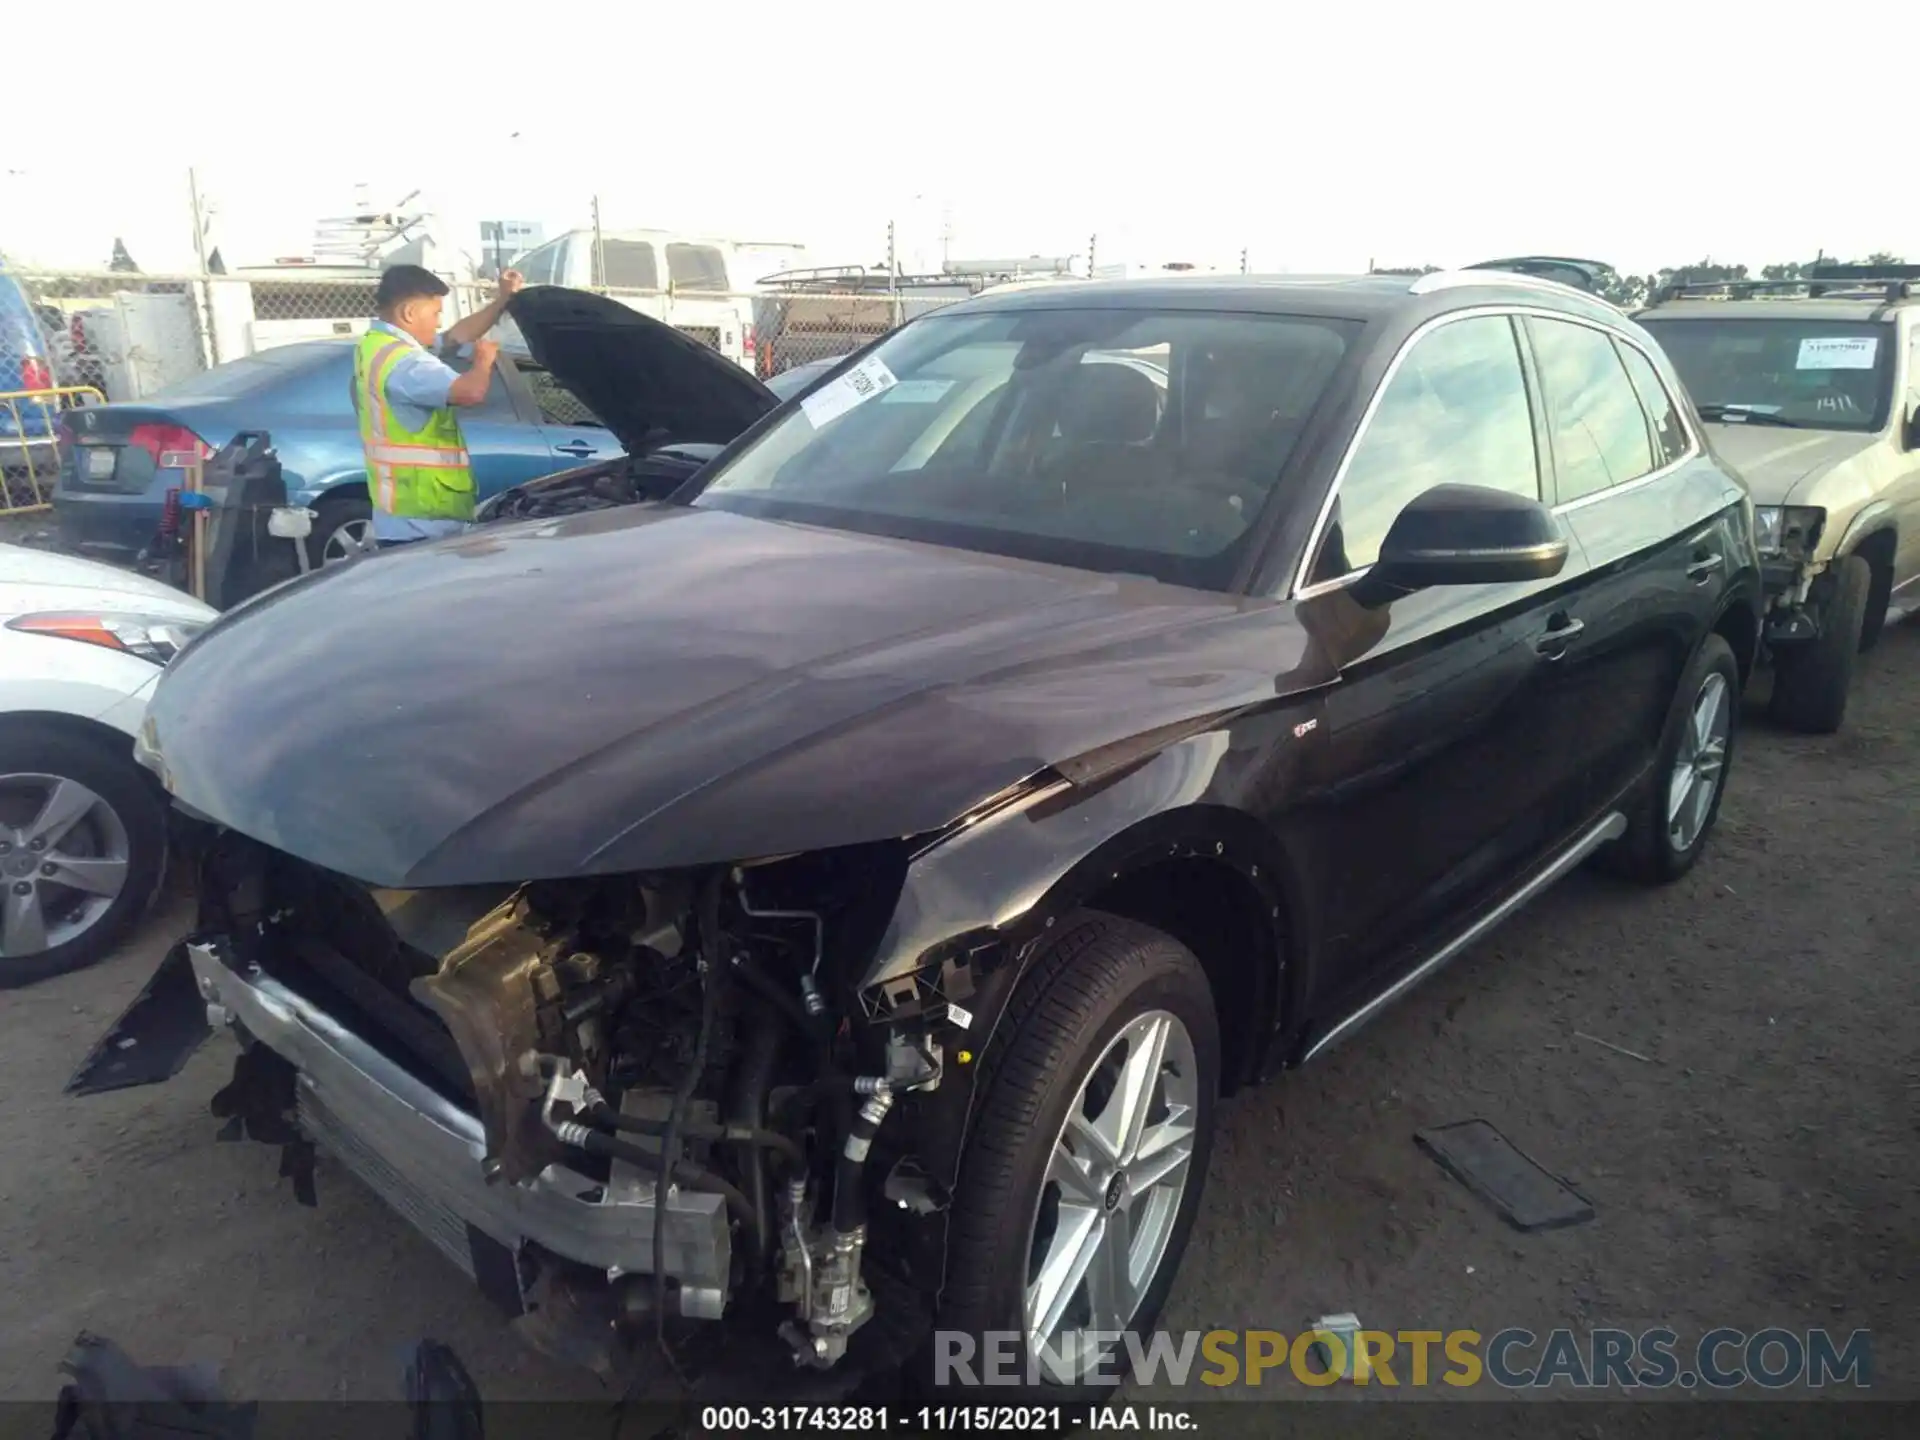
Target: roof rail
pixel 1864 283
pixel 1458 279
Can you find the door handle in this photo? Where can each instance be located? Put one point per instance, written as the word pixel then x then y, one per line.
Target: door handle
pixel 579 449
pixel 1702 567
pixel 1552 643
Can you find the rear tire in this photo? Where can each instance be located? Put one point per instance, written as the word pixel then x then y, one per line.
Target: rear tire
pixel 1105 993
pixel 1810 681
pixel 1697 745
pixel 124 821
pixel 342 528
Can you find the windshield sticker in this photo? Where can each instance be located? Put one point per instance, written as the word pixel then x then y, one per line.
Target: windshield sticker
pixel 1847 352
pixel 917 392
pixel 869 378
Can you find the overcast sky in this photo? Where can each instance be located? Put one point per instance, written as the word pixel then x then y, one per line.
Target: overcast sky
pixel 1317 138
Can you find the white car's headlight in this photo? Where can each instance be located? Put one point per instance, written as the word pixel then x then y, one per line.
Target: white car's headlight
pixel 152 637
pixel 1766 528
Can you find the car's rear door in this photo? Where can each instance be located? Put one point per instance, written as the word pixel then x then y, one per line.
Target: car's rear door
pixel 1437 777
pixel 1654 516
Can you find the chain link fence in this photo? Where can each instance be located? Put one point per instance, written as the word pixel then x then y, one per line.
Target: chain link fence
pixel 73 339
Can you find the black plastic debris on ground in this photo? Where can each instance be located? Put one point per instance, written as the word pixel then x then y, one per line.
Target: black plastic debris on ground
pixel 1492 1167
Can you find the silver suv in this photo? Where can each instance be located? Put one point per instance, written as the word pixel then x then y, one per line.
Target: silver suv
pixel 1810 388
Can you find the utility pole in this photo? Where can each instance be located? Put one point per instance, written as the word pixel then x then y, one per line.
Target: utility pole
pixel 1093 247
pixel 599 248
pixel 200 254
pixel 893 274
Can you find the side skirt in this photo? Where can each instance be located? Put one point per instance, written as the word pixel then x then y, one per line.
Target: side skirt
pixel 1611 827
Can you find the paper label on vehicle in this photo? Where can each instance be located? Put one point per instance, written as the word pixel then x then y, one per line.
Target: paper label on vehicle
pixel 1840 352
pixel 917 392
pixel 862 383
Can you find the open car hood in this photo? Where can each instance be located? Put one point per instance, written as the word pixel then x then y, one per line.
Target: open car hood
pixel 647 382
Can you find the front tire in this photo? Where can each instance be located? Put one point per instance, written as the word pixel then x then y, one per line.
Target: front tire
pixel 83 846
pixel 1084 1169
pixel 1811 680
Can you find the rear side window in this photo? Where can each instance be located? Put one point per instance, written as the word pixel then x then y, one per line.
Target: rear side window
pixel 626 264
pixel 1669 435
pixel 558 405
pixel 1599 431
pixel 1455 412
pixel 696 267
pixel 255 372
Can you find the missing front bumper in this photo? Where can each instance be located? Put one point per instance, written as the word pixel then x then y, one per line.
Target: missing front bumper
pixel 422 1153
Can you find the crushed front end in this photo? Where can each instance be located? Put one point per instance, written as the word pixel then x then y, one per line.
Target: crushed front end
pixel 509 1067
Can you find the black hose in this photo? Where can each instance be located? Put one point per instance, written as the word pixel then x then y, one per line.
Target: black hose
pixel 776 994
pixel 732 1132
pixel 849 1194
pixel 747 1120
pixel 670 1143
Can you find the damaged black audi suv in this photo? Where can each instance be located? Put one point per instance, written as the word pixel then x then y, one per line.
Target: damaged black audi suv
pixel 831 902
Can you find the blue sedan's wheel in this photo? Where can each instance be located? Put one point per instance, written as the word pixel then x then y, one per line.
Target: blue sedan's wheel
pixel 342 530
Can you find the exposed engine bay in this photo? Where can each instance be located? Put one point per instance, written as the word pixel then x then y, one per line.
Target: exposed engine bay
pixel 622 1048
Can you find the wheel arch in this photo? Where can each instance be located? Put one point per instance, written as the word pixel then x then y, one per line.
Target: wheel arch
pixel 341 488
pixel 65 722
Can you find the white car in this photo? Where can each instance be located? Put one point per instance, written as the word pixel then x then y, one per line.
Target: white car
pixel 83 829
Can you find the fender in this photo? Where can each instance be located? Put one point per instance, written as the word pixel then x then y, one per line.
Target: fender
pixel 975 909
pixel 1872 518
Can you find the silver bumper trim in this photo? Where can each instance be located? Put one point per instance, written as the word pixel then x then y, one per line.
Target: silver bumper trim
pixel 423 1154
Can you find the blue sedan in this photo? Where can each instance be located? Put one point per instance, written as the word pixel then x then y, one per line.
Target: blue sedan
pixel 112 486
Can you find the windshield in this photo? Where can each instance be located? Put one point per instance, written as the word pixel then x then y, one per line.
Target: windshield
pixel 1122 440
pixel 1821 374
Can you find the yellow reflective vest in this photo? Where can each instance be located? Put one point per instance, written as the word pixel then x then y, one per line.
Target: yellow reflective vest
pixel 423 474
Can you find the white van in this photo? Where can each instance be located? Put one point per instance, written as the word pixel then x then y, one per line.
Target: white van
pixel 684 280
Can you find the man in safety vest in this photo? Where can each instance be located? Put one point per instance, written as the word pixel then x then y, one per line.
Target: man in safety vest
pixel 419 475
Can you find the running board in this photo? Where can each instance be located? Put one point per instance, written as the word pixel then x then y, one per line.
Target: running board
pixel 1611 828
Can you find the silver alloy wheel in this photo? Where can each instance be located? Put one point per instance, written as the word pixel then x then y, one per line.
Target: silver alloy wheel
pixel 1118 1172
pixel 355 537
pixel 64 856
pixel 1700 763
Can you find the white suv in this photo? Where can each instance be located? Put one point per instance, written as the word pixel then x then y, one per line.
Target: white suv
pixel 83 829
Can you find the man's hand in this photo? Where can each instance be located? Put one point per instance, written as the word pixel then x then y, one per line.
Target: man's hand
pixel 510 283
pixel 471 388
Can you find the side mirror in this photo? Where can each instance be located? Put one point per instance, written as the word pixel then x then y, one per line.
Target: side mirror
pixel 1469 535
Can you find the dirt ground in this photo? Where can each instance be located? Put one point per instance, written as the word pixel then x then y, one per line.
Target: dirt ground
pixel 1757 1167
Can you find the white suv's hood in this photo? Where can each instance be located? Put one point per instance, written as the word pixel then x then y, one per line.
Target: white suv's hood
pixel 1772 459
pixel 38 580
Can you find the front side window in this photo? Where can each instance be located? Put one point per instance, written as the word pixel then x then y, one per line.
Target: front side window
pixel 1599 430
pixel 1135 441
pixel 1454 413
pixel 1797 371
